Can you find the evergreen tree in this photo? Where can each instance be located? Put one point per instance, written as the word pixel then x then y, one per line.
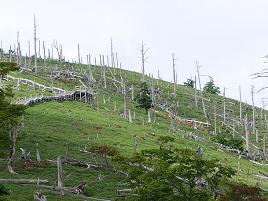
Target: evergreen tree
pixel 144 99
pixel 211 88
pixel 10 114
pixel 189 83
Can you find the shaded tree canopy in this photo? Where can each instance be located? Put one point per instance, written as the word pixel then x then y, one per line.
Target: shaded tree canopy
pixel 189 83
pixel 211 88
pixel 179 174
pixel 143 98
pixel 10 114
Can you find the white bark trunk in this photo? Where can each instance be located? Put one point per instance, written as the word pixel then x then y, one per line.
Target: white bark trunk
pixel 59 173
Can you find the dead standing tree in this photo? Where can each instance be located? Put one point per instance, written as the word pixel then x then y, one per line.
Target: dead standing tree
pixel 174 74
pixel 200 88
pixel 35 50
pixel 143 59
pixel 253 110
pixel 14 131
pixel 58 48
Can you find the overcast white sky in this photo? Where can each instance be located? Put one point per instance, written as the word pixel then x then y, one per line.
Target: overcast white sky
pixel 228 37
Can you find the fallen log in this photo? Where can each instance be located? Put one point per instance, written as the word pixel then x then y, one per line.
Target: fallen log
pixel 79 163
pixel 24 181
pixel 263 173
pixel 68 190
pixel 123 192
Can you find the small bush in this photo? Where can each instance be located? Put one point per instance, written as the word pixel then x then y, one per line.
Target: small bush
pixel 235 142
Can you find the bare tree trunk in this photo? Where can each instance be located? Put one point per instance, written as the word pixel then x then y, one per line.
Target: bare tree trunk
pixel 215 118
pixel 39 49
pixel 174 74
pixel 19 57
pixel 114 110
pixel 240 105
pixel 38 158
pixel 44 50
pixel 257 135
pixel 10 56
pixel 60 181
pixel 116 60
pixel 224 106
pixel 52 52
pixel 195 93
pixel 104 72
pixel 13 137
pixel 135 144
pixel 143 59
pixel 98 104
pixel 125 100
pixel 112 54
pixel 253 110
pixel 78 53
pixel 129 116
pixel 29 49
pixel 264 147
pixel 35 51
pixel 149 117
pixel 201 92
pixel 132 92
pixel 247 137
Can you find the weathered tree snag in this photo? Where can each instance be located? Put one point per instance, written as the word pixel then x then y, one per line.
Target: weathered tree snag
pixel 129 116
pixel 112 54
pixel 24 155
pixel 134 145
pixel 264 147
pixel 35 51
pixel 38 158
pixel 78 54
pixel 24 181
pixel 253 110
pixel 114 109
pixel 59 173
pixel 149 117
pixel 125 100
pixel 143 59
pixel 240 105
pixel 224 106
pixel 247 137
pixel 104 72
pixel 200 88
pixel 195 93
pixel 29 56
pixel 116 60
pixel 174 74
pixel 14 131
pixel 132 92
pixel 39 49
pixel 215 118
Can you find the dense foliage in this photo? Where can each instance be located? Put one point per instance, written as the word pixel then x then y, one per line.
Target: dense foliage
pixel 234 142
pixel 143 98
pixel 10 114
pixel 241 192
pixel 189 83
pixel 178 174
pixel 211 88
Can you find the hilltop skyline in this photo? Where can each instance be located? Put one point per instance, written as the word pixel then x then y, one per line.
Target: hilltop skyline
pixel 228 38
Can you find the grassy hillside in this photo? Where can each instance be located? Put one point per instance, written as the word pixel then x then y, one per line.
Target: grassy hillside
pixel 64 128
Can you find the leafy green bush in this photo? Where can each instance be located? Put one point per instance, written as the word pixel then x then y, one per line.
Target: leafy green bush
pixel 235 142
